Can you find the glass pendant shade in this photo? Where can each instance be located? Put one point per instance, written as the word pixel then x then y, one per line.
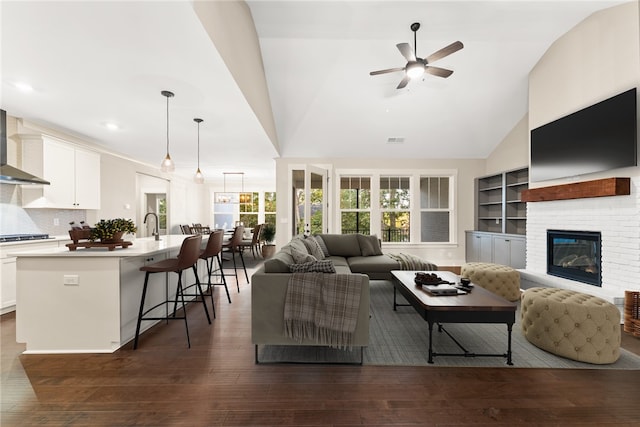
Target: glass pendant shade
pixel 198 178
pixel 167 164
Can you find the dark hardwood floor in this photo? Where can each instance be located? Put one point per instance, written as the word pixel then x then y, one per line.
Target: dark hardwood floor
pixel 217 383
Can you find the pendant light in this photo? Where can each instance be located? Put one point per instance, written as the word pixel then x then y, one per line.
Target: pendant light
pixel 167 164
pixel 198 177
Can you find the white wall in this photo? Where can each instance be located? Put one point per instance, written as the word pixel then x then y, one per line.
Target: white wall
pixel 513 151
pixel 597 59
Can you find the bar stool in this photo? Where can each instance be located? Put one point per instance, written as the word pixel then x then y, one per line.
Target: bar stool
pixel 233 246
pixel 211 252
pixel 187 258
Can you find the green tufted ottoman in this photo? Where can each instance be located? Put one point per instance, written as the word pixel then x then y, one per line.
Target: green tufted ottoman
pixel 571 324
pixel 499 279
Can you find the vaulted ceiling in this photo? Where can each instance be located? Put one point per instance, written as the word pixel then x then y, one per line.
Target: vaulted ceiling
pixel 91 63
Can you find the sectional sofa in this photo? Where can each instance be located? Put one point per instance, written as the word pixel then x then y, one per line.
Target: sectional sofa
pixel 348 253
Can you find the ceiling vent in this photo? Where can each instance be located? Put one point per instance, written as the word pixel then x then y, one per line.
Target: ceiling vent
pixel 395 140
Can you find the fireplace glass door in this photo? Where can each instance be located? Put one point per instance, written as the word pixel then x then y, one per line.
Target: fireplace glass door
pixel 574 255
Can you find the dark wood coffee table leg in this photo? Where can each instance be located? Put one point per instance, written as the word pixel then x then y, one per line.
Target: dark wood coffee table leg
pixel 509 328
pixel 430 360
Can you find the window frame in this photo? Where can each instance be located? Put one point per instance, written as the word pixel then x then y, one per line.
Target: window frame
pixel 415 209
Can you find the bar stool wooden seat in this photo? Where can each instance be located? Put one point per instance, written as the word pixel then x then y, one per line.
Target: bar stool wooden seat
pixel 187 258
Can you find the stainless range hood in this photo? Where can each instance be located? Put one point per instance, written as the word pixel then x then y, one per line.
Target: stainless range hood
pixel 8 173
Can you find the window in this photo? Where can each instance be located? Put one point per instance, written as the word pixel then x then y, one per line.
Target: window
pixel 395 204
pixel 270 208
pixel 249 208
pixel 400 207
pixel 435 213
pixel 355 205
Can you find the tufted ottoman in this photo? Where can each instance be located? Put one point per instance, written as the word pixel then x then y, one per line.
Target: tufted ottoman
pixel 571 324
pixel 499 279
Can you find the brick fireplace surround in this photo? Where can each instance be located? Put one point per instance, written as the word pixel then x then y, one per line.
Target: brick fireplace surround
pixel 617 218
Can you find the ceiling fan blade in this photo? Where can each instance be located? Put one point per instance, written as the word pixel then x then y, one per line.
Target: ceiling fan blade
pixel 406 51
pixel 404 82
pixel 437 71
pixel 445 51
pixel 388 70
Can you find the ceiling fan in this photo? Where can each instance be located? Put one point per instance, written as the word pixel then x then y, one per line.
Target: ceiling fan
pixel 415 66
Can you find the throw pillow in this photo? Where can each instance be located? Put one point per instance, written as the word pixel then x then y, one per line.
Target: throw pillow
pixel 324 266
pixel 298 243
pixel 298 256
pixel 323 246
pixel 369 245
pixel 313 247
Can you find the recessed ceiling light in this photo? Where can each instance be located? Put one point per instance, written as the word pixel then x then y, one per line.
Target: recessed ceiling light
pixel 111 126
pixel 24 87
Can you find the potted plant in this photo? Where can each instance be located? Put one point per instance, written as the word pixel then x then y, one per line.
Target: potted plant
pixel 112 230
pixel 268 234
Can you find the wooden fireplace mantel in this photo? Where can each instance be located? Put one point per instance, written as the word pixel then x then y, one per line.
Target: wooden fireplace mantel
pixel 579 190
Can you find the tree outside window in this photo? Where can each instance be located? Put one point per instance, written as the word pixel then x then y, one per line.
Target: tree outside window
pixel 355 205
pixel 249 207
pixel 395 202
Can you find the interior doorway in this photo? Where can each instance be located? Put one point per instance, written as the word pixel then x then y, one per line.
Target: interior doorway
pixel 153 202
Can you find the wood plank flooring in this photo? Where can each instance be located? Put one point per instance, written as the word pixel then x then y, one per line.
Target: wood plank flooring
pixel 217 383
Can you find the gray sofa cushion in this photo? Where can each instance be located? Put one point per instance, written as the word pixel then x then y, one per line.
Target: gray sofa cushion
pixel 338 260
pixel 369 245
pixel 372 264
pixel 279 263
pixel 342 244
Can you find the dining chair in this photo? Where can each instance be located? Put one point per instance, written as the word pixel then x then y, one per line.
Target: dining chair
pixel 234 246
pixel 187 258
pixel 254 243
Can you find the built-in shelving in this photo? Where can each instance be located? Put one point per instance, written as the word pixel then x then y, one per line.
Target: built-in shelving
pixel 500 207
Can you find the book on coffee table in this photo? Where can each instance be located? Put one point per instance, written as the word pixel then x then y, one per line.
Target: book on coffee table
pixel 440 289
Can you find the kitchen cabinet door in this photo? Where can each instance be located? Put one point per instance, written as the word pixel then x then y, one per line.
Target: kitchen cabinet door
pixel 8 285
pixel 74 174
pixel 87 180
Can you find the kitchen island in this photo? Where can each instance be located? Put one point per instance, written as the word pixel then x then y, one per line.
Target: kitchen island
pixel 87 301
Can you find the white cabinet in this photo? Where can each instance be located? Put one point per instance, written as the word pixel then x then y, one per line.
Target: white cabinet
pixel 478 247
pixel 74 174
pixel 498 248
pixel 509 251
pixel 8 270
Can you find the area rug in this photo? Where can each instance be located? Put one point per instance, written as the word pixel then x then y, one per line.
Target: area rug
pixel 401 338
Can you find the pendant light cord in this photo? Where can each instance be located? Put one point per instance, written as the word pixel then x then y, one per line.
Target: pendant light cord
pixel 167 125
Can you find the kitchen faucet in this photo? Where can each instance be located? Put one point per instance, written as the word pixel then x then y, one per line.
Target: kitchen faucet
pixel 155 232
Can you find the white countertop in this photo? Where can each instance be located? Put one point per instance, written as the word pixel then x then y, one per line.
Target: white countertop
pixel 141 246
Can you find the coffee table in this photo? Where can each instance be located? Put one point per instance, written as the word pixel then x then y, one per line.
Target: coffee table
pixel 478 306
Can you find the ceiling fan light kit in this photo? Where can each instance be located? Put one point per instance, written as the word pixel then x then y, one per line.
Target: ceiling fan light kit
pixel 416 67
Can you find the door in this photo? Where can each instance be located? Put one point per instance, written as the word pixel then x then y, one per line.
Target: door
pixel 153 207
pixel 309 200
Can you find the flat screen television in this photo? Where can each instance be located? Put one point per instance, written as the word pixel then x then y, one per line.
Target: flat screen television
pixel 601 137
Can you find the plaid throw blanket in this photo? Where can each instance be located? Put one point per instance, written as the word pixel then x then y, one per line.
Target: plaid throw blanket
pixel 322 307
pixel 412 262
